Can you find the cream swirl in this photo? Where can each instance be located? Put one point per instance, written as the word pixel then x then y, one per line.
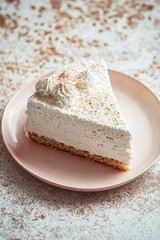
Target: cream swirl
pixel 66 86
pixel 63 94
pixel 44 87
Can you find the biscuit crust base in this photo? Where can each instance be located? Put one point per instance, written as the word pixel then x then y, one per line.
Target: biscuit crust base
pixel 103 160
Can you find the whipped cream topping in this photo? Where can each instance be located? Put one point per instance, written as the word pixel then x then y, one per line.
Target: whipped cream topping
pixel 83 89
pixel 66 85
pixel 44 87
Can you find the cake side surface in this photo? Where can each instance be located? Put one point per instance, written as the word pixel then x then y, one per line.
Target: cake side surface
pixel 45 120
pixel 103 160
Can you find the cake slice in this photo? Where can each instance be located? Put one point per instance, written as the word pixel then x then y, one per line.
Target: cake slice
pixel 75 110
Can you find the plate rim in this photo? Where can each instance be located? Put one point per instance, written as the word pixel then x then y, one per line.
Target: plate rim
pixel 68 187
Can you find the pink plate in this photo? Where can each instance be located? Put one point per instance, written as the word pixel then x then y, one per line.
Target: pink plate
pixel 142 112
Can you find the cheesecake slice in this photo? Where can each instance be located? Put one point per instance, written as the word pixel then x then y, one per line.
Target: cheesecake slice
pixel 74 109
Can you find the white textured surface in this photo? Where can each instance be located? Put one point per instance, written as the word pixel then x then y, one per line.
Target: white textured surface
pixel 33 38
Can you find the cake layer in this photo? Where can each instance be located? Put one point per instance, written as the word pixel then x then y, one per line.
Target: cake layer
pixel 103 160
pixel 46 120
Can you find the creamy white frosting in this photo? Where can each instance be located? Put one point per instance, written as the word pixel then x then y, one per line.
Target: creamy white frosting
pixel 83 88
pixel 64 85
pixel 44 87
